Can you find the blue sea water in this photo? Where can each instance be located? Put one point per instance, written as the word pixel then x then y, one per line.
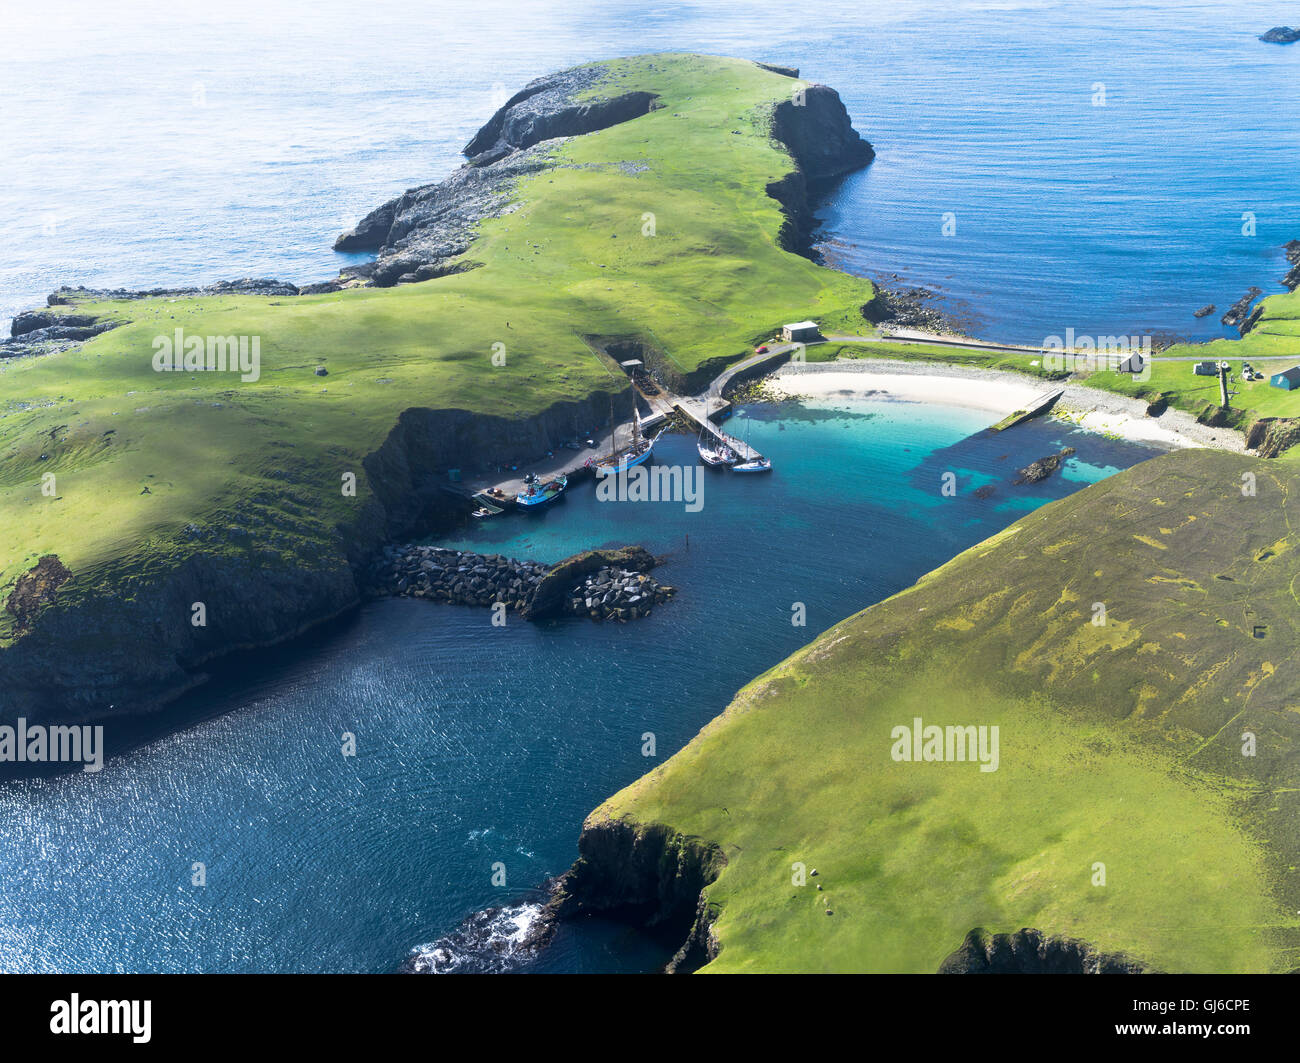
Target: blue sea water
pixel 479 745
pixel 150 144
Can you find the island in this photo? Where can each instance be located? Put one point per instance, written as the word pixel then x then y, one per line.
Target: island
pixel 1072 747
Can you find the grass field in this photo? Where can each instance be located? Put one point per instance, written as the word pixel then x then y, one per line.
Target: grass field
pixel 138 455
pixel 1121 744
pixel 1272 345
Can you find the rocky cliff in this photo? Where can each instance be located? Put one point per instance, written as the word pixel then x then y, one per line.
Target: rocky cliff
pixel 96 657
pixel 647 874
pixel 1031 951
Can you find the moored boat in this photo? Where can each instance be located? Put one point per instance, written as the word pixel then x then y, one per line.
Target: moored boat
pixel 759 464
pixel 537 493
pixel 638 452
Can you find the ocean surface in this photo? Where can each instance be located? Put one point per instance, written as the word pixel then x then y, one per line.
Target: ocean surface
pixel 150 144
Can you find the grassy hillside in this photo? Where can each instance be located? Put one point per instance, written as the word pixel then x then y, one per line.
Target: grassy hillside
pixel 139 455
pixel 1120 744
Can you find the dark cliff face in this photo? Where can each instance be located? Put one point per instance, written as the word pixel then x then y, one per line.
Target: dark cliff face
pixel 816 129
pixel 418 234
pixel 646 874
pixel 547 108
pixel 133 653
pixel 1032 952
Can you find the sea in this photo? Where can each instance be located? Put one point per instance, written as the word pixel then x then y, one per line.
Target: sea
pixel 154 144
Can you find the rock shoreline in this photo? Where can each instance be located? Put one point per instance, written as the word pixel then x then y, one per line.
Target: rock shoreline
pixel 619 589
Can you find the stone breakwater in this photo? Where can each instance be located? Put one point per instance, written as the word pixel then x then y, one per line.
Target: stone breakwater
pixel 601 585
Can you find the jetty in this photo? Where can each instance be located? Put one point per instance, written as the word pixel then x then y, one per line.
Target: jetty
pixel 1037 405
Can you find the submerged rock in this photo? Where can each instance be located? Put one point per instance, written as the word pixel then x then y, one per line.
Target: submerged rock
pixel 1041 469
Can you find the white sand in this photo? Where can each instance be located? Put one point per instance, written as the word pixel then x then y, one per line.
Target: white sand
pixel 998 393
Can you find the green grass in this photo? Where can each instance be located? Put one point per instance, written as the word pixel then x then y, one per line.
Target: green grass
pixel 1120 744
pixel 1272 345
pixel 569 264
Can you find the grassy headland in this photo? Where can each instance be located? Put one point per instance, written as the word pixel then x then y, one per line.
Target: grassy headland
pixel 1121 744
pixel 658 230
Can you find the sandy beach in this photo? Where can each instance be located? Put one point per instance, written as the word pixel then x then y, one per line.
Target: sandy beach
pixel 998 393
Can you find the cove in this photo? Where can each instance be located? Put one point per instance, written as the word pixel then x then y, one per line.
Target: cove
pixel 479 745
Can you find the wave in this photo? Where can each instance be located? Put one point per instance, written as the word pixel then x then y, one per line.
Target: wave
pixel 495 941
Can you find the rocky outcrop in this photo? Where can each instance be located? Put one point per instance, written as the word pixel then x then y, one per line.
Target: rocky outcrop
pixel 1270 436
pixel 244 286
pixel 1037 471
pixel 1292 251
pixel 816 129
pixel 36 589
pixel 1032 952
pixel 555 592
pixel 548 108
pixel 418 235
pixel 1280 35
pixel 647 874
pixel 45 331
pixel 1239 312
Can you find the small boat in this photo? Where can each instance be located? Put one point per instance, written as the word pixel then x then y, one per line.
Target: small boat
pixel 716 449
pixel 488 505
pixel 537 493
pixel 757 463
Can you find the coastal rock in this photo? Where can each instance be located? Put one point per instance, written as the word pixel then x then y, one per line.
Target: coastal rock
pixel 818 133
pixel 1281 35
pixel 547 108
pixel 1204 311
pixel 600 584
pixel 646 874
pixel 244 286
pixel 1292 251
pixel 1239 311
pixel 1270 436
pixel 1030 951
pixel 1037 471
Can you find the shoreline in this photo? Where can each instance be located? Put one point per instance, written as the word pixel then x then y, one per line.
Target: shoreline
pixel 997 392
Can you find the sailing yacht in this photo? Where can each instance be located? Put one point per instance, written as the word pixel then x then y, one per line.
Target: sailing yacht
pixel 635 453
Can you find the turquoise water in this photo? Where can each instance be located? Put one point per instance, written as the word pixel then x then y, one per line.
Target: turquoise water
pixel 480 745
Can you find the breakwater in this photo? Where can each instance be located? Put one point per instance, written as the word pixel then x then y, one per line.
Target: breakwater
pixel 599 584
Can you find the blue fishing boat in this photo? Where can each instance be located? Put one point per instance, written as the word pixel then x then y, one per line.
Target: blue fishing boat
pixel 536 493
